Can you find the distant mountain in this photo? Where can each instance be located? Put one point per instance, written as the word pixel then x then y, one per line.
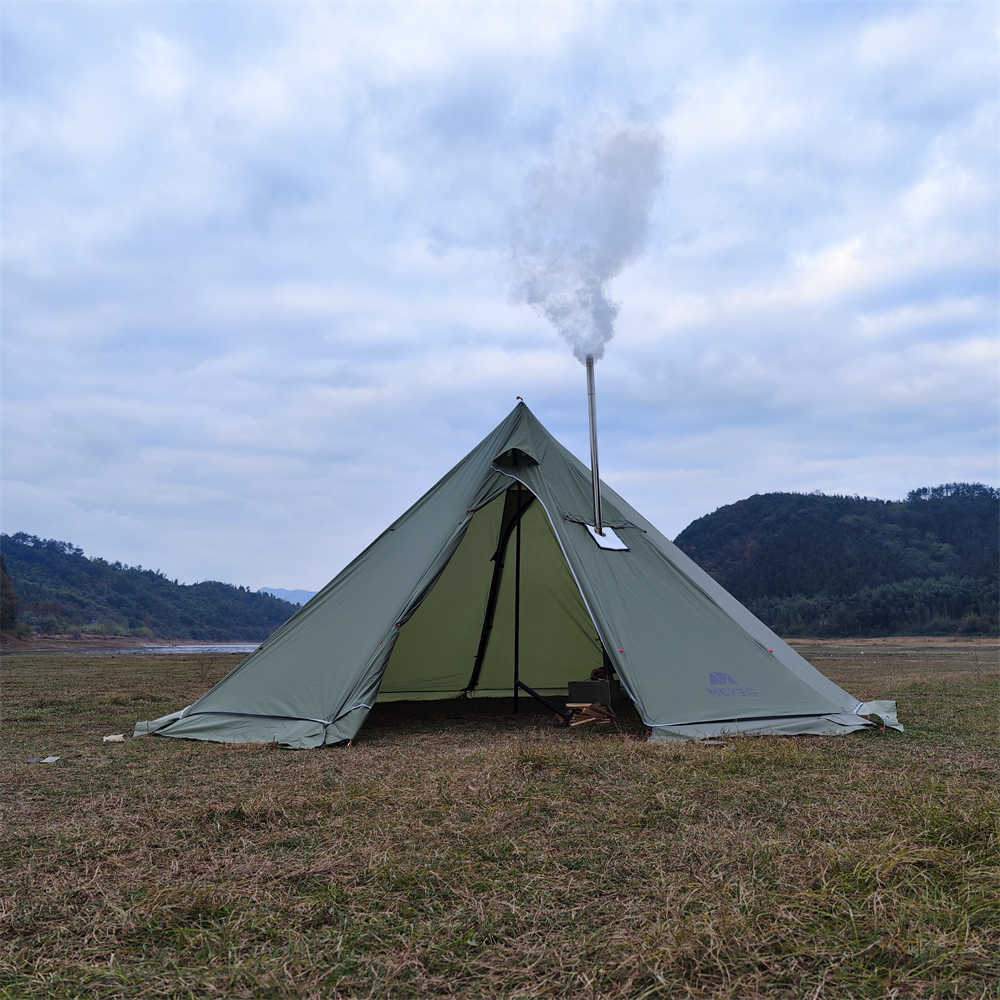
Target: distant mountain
pixel 839 565
pixel 294 596
pixel 60 590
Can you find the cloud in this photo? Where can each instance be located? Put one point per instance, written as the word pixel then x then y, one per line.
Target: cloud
pixel 255 288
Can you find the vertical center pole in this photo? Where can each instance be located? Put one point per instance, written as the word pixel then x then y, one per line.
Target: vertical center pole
pixel 517 601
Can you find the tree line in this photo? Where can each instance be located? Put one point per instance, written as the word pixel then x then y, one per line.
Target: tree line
pixel 51 587
pixel 806 564
pixel 812 564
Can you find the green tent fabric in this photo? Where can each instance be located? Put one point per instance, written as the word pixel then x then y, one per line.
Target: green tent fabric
pixel 426 612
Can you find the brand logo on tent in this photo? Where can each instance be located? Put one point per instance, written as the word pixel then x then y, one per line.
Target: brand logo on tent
pixel 722 685
pixel 720 678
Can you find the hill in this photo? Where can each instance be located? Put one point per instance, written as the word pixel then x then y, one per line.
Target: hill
pixel 805 564
pixel 294 596
pixel 839 565
pixel 60 590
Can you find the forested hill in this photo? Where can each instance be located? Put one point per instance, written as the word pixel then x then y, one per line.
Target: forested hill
pixel 58 590
pixel 835 565
pixel 804 564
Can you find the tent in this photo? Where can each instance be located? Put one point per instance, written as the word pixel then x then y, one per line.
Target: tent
pixel 495 581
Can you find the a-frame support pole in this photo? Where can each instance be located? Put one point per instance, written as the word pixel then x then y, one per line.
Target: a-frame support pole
pixel 517 606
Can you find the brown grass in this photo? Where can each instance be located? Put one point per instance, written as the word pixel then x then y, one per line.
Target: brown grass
pixel 460 851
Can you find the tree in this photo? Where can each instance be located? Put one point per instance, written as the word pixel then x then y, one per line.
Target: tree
pixel 8 600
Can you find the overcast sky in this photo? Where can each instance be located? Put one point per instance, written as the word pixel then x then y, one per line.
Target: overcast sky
pixel 256 283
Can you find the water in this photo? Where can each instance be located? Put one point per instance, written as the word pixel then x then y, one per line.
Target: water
pixel 195 647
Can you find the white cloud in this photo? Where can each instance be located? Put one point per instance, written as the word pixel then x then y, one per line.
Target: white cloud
pixel 748 106
pixel 160 68
pixel 948 189
pixel 957 313
pixel 255 286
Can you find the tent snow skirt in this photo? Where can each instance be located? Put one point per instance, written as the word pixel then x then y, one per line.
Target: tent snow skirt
pixel 427 611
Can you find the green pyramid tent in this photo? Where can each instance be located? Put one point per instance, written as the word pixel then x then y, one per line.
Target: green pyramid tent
pixel 428 611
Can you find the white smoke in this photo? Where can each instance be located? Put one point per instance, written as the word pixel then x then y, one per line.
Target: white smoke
pixel 583 217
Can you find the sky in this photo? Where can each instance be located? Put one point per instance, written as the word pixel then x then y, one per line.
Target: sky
pixel 258 292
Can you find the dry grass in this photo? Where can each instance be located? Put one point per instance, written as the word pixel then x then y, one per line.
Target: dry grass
pixel 461 851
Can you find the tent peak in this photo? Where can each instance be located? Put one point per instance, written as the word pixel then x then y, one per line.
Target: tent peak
pixel 527 440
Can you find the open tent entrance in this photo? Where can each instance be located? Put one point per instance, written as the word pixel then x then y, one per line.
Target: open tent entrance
pixel 505 609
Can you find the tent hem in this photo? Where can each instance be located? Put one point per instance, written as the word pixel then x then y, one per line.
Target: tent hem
pixel 831 724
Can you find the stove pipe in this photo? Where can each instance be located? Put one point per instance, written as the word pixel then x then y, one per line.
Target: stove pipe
pixel 594 472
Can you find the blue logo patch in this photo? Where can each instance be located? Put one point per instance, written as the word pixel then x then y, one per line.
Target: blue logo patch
pixel 723 685
pixel 720 678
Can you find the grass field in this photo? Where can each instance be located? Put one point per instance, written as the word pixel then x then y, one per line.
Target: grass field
pixel 462 851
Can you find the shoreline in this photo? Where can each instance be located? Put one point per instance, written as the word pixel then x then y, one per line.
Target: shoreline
pixel 68 644
pixel 85 643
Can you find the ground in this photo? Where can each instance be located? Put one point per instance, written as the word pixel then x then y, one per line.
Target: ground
pixel 462 851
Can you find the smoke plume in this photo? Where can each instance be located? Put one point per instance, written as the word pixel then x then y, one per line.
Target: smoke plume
pixel 582 218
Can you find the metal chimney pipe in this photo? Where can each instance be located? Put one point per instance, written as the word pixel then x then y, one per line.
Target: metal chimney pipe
pixel 595 474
